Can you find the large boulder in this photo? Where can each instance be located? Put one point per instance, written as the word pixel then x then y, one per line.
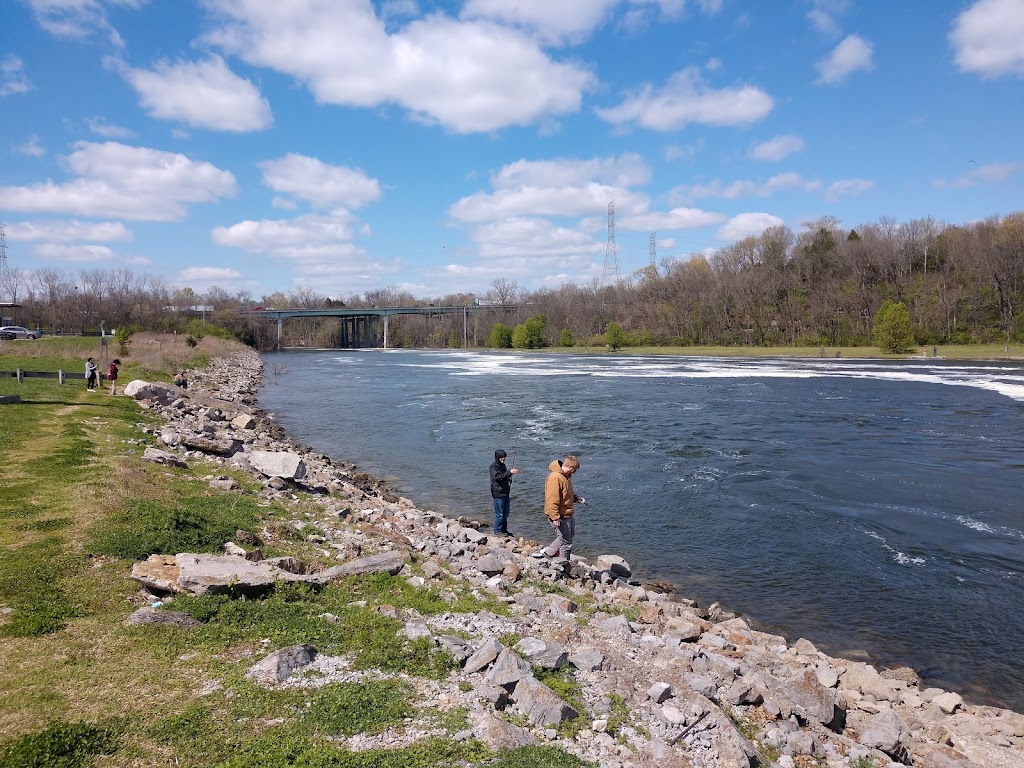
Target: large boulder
pixel 278 464
pixel 145 390
pixel 280 665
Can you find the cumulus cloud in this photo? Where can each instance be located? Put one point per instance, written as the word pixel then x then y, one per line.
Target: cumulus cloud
pixel 847 188
pixel 777 149
pixel 115 180
pixel 528 240
pixel 566 19
pixel 12 77
pixel 319 184
pixel 748 225
pixel 467 75
pixel 853 54
pixel 69 231
pixel 310 234
pixel 988 38
pixel 677 218
pixel 745 187
pixel 204 94
pixel 686 98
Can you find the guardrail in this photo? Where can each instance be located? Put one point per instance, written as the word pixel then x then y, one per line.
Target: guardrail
pixel 60 375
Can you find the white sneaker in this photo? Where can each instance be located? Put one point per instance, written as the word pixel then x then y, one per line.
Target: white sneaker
pixel 92 390
pixel 540 554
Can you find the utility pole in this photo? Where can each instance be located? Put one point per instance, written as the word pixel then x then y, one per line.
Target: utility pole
pixel 3 255
pixel 611 251
pixel 654 254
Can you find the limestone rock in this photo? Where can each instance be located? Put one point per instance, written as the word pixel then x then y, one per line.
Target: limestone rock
pixel 279 665
pixel 284 464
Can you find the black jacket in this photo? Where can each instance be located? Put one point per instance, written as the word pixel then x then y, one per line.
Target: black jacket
pixel 501 480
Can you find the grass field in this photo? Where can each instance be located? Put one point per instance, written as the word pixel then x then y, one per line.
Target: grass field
pixel 78 687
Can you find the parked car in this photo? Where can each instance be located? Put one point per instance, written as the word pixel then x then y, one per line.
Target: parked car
pixel 17 332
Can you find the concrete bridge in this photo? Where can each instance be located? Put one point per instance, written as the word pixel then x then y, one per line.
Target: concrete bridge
pixel 367 327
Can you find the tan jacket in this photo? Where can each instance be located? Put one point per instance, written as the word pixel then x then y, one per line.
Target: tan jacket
pixel 558 495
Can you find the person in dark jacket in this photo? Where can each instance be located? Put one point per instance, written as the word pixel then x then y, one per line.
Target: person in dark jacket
pixel 501 487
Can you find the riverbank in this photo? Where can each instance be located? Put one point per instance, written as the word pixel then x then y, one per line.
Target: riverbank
pixel 540 666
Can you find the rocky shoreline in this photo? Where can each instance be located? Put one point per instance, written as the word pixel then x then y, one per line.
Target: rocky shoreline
pixel 664 682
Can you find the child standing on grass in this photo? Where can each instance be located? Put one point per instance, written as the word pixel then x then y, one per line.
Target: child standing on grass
pixel 112 375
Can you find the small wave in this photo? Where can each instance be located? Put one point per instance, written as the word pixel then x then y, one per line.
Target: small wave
pixel 976 525
pixel 902 558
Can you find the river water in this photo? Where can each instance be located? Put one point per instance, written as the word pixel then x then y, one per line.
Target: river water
pixel 873 507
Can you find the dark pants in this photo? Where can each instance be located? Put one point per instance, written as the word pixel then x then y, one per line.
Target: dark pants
pixel 502 504
pixel 90 382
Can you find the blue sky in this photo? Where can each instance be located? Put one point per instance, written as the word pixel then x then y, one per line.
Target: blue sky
pixel 344 145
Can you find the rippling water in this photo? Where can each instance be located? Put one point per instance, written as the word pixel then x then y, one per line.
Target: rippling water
pixel 871 507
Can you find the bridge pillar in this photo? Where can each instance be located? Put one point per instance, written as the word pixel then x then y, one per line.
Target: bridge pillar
pixel 385 331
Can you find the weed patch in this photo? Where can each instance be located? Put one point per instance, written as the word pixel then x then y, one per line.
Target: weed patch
pixel 31 578
pixel 62 745
pixel 197 524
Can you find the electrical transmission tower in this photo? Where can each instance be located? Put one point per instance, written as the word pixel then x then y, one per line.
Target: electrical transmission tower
pixel 611 251
pixel 654 253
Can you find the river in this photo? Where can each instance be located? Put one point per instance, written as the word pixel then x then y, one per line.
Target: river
pixel 872 507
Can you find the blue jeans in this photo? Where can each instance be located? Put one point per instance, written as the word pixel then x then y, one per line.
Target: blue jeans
pixel 502 504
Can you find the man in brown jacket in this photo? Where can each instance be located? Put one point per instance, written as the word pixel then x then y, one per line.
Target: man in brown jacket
pixel 558 500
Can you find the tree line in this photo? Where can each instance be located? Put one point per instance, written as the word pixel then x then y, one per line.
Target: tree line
pixel 822 286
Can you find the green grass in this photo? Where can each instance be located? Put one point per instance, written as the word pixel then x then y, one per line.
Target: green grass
pixel 78 507
pixel 62 745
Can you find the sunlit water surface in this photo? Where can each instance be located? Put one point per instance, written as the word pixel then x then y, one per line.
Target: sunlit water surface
pixel 867 506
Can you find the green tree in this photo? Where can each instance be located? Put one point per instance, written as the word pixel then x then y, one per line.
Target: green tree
pixel 501 337
pixel 565 338
pixel 536 328
pixel 614 336
pixel 891 329
pixel 521 337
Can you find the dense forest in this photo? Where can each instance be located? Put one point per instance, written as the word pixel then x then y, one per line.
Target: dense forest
pixel 823 286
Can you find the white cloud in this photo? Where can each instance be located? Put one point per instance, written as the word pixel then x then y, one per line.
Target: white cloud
pixel 686 99
pixel 207 275
pixel 847 188
pixel 677 218
pixel 625 170
pixel 282 236
pixel 745 187
pixel 31 148
pixel 988 38
pixel 468 76
pixel 853 54
pixel 552 21
pixel 748 225
pixel 73 253
pixel 107 130
pixel 117 180
pixel 522 241
pixel 823 16
pixel 204 94
pixel 78 19
pixel 12 79
pixel 777 149
pixel 69 231
pixel 991 173
pixel 589 198
pixel 320 184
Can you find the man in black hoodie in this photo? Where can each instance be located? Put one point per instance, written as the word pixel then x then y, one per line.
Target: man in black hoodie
pixel 501 487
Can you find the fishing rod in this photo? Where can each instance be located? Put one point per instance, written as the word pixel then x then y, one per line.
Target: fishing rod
pixel 515 448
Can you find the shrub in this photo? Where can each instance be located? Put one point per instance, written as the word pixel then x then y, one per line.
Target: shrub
pixel 62 745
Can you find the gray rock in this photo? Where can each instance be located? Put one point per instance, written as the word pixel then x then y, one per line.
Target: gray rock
pixel 226 574
pixel 157 456
pixel 586 659
pixel 416 628
pixel 145 390
pixel 540 705
pixel 499 734
pixel 948 702
pixel 284 464
pixel 383 562
pixel 616 625
pixel 243 421
pixel 659 692
pixel 456 646
pixel 484 655
pixel 884 731
pixel 810 698
pixel 703 685
pixel 614 565
pixel 490 565
pixel 542 653
pixel 279 665
pixel 508 668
